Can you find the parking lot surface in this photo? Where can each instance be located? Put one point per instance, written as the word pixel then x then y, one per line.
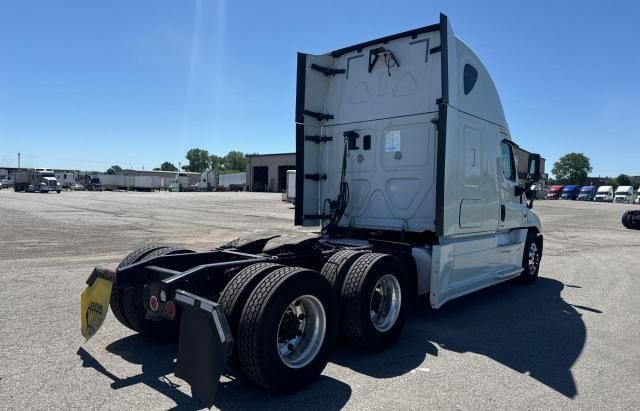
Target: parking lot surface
pixel 568 341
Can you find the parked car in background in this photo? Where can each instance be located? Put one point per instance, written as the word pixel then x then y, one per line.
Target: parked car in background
pixel 587 193
pixel 637 201
pixel 624 194
pixel 604 193
pixel 77 187
pixel 570 192
pixel 554 192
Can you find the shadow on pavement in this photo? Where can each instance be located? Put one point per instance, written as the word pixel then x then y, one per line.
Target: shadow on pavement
pixel 157 360
pixel 529 329
pixel 158 364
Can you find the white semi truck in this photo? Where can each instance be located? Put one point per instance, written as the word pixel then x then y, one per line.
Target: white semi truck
pixel 206 182
pixel 179 183
pixel 406 163
pixel 39 180
pixel 604 194
pixel 624 194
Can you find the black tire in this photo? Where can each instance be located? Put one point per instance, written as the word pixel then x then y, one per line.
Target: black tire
pixel 116 303
pixel 131 302
pixel 356 299
pixel 635 220
pixel 531 257
pixel 626 218
pixel 236 293
pixel 631 220
pixel 260 323
pixel 336 267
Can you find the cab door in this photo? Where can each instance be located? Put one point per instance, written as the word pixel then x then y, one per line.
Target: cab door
pixel 512 213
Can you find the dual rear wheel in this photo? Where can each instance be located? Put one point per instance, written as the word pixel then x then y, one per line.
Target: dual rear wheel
pixel 285 320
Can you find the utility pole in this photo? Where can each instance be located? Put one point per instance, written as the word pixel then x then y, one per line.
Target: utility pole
pixel 18 161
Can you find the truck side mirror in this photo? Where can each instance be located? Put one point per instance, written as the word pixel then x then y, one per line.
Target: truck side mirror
pixel 533 173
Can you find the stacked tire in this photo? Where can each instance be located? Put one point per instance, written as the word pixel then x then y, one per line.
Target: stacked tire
pixel 631 219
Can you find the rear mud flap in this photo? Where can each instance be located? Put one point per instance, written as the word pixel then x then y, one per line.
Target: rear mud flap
pixel 205 345
pixel 94 301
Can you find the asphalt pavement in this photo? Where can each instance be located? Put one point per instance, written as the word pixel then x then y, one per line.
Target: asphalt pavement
pixel 568 341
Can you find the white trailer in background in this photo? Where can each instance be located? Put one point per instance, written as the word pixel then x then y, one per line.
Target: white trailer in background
pixel 290 192
pixel 232 182
pixel 111 181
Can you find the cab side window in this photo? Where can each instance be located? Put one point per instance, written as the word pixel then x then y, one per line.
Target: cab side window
pixel 508 165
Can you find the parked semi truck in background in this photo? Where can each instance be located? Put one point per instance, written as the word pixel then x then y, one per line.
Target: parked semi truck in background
pixel 36 181
pixel 570 192
pixel 92 183
pixel 554 192
pixel 604 193
pixel 66 179
pixel 179 183
pixel 206 182
pixel 407 167
pixel 587 193
pixel 624 194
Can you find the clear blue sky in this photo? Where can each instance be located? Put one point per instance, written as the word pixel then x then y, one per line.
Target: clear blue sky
pixel 87 84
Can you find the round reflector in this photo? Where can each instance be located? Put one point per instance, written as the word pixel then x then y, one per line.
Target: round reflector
pixel 171 309
pixel 153 303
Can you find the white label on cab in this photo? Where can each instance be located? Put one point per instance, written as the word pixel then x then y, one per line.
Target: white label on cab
pixel 392 141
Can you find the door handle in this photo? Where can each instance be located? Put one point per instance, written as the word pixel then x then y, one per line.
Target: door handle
pixel 503 212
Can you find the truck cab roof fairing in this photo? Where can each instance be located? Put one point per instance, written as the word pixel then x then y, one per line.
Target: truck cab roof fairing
pixel 348 90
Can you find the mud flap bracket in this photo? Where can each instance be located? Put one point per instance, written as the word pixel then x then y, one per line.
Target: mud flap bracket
pixel 204 347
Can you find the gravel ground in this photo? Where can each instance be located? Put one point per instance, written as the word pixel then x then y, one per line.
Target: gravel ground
pixel 569 341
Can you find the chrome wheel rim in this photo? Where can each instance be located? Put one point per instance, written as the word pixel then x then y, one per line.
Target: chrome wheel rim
pixel 301 331
pixel 534 258
pixel 385 302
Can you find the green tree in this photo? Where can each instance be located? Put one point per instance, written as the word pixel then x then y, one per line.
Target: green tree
pixel 199 160
pixel 572 168
pixel 215 161
pixel 623 180
pixel 114 169
pixel 168 166
pixel 234 160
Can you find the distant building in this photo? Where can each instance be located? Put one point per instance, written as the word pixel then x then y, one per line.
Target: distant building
pixel 268 172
